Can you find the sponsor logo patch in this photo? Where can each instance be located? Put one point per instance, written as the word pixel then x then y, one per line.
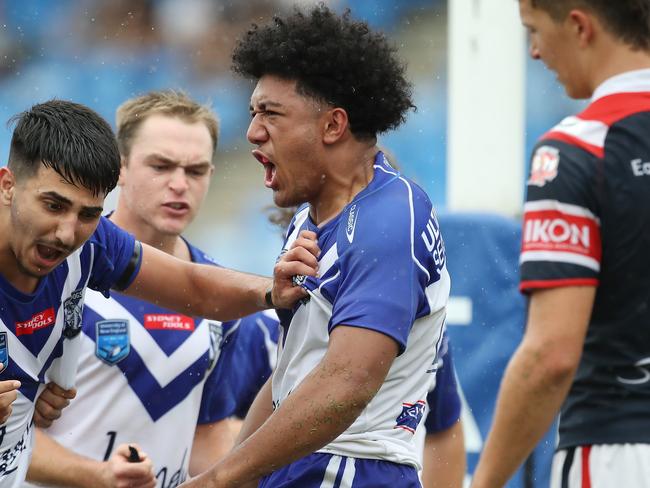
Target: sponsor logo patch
pixel 4 351
pixel 112 343
pixel 168 321
pixel 38 321
pixel 10 455
pixel 640 167
pixel 433 241
pixel 552 230
pixel 544 166
pixel 411 416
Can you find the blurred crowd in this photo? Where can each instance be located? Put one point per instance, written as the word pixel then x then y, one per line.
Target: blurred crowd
pixel 101 52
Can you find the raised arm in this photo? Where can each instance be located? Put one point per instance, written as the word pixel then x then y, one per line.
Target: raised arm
pixel 219 293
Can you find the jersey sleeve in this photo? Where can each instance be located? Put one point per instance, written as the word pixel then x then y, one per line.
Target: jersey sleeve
pixel 383 280
pixel 252 358
pixel 218 400
pixel 444 400
pixel 561 243
pixel 116 257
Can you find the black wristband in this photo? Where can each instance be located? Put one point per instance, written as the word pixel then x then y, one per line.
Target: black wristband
pixel 268 297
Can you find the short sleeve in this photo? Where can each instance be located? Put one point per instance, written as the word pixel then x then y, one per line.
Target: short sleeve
pixel 252 358
pixel 561 244
pixel 218 400
pixel 116 257
pixel 382 281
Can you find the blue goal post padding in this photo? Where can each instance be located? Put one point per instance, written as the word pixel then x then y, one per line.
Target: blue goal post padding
pixel 486 320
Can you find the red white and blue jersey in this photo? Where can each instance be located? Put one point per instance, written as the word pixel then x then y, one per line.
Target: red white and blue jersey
pixel 39 332
pixel 147 375
pixel 587 222
pixel 382 267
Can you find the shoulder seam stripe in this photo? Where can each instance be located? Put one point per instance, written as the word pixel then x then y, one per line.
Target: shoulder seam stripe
pixel 565 208
pixel 560 257
pixel 555 283
pixel 412 212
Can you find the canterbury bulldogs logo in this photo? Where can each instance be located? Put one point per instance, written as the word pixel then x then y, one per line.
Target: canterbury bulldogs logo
pixel 72 310
pixel 4 351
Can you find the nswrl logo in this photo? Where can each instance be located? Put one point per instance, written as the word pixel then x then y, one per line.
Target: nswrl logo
pixel 112 343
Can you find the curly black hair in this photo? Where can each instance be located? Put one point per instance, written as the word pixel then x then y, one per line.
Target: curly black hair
pixel 333 59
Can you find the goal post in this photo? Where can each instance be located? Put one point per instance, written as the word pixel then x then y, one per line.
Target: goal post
pixel 486 127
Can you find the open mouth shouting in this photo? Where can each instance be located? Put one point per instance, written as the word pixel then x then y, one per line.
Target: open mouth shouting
pixel 269 168
pixel 49 256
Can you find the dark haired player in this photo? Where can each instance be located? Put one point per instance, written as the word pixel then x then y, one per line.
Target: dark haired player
pixel 54 243
pixel 584 259
pixel 358 357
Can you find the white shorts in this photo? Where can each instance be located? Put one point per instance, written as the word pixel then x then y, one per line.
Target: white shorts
pixel 602 466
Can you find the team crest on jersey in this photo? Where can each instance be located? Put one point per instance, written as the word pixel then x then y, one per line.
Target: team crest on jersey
pixel 72 310
pixel 410 417
pixel 4 351
pixel 112 342
pixel 544 166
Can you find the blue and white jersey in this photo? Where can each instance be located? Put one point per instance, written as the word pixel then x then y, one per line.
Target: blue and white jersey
pixel 443 408
pixel 39 332
pixel 443 401
pixel 147 375
pixel 252 357
pixel 382 267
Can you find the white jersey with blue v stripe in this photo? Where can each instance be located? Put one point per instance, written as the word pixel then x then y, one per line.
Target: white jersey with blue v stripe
pixel 382 267
pixel 147 375
pixel 40 332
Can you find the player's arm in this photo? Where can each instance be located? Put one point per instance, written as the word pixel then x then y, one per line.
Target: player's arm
pixel 326 403
pixel 444 464
pixel 259 411
pixel 211 443
pixel 55 465
pixel 536 380
pixel 220 293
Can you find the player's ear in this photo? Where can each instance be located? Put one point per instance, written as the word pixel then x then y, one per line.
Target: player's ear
pixel 7 185
pixel 336 124
pixel 582 25
pixel 123 163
